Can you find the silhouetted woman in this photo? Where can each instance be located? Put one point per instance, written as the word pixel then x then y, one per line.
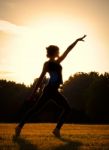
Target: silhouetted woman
pixel 53 67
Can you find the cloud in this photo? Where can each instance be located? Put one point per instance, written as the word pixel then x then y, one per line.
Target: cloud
pixel 4 72
pixel 11 28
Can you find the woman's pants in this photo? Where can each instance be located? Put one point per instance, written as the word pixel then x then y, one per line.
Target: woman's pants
pixel 49 93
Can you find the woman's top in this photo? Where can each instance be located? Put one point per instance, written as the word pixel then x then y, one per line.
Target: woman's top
pixel 55 71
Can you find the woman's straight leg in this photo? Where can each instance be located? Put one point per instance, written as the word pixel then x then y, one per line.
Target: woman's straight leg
pixel 36 109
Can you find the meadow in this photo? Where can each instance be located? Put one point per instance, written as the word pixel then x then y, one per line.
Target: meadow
pixel 39 137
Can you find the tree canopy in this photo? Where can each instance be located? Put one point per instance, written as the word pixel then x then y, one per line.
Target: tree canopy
pixel 87 93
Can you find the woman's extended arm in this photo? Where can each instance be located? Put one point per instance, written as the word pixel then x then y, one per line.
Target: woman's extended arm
pixel 62 57
pixel 38 83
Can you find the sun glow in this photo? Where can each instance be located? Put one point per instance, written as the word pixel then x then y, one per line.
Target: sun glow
pixel 25 34
pixel 28 48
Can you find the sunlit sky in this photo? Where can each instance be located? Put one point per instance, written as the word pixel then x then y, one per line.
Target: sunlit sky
pixel 27 27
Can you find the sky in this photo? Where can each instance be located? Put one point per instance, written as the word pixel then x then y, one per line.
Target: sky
pixel 27 27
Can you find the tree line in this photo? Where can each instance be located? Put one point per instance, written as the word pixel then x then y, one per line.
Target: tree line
pixel 87 94
pixel 90 94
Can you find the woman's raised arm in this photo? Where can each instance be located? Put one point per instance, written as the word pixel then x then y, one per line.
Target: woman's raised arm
pixel 62 57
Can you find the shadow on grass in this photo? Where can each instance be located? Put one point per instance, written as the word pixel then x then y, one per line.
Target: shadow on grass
pixel 24 144
pixel 68 144
pixel 1 138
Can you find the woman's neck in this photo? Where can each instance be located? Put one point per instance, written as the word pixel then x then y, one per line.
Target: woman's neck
pixel 52 59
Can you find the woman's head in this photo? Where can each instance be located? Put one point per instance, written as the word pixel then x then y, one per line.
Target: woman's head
pixel 52 51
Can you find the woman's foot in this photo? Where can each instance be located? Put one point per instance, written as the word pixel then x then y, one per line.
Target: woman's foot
pixel 17 131
pixel 56 132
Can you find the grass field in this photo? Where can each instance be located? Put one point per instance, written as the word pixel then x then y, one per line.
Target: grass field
pixel 40 137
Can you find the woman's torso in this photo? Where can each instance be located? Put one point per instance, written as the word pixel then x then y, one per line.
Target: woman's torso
pixel 55 71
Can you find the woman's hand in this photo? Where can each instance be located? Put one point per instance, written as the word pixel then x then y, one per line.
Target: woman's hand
pixel 82 38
